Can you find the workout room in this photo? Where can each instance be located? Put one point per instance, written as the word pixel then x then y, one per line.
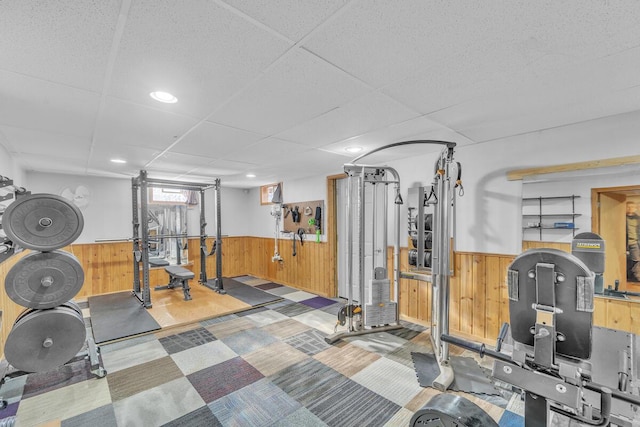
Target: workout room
pixel 336 213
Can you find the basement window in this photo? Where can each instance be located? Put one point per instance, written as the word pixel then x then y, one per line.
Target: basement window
pixel 266 193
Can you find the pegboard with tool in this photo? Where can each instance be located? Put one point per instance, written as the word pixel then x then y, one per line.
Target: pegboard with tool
pixel 308 216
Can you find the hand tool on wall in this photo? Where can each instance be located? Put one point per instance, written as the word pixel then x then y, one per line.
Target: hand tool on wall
pixel 295 215
pixel 318 219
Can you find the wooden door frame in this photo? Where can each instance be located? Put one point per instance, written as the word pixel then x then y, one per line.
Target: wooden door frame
pixel 595 202
pixel 332 229
pixel 595 209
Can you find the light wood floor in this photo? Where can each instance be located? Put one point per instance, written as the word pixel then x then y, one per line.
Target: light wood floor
pixel 170 309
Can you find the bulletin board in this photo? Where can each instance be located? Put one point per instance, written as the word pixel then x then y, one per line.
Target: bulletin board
pixel 307 211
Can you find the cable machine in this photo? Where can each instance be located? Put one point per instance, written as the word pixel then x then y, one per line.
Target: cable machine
pixel 436 268
pixel 140 186
pixel 375 308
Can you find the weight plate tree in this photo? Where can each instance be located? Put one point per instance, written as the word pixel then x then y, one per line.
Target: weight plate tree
pixel 42 222
pixel 41 340
pixel 44 280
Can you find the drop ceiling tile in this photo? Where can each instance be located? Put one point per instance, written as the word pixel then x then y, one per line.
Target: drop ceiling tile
pixel 136 157
pixel 58 163
pixel 214 140
pixel 28 141
pixel 267 151
pixel 65 41
pixel 370 112
pixel 291 18
pixel 534 116
pixel 176 162
pixel 381 42
pixel 413 129
pixel 200 52
pixel 220 168
pixel 124 123
pixel 296 89
pixel 40 105
pixel 309 163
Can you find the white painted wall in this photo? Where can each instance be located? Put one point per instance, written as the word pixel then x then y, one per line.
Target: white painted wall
pixel 262 224
pixel 489 214
pixel 11 169
pixel 108 214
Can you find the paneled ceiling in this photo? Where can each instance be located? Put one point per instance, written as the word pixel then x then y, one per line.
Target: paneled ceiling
pixel 280 88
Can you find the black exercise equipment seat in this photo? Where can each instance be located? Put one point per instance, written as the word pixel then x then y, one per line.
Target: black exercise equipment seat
pixel 178 276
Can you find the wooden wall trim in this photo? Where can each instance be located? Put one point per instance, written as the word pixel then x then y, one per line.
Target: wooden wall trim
pixel 519 174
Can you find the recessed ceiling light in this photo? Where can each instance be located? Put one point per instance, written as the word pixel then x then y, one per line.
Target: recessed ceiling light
pixel 251 175
pixel 353 149
pixel 118 161
pixel 165 97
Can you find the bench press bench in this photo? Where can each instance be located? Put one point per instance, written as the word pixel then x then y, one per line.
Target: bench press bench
pixel 178 276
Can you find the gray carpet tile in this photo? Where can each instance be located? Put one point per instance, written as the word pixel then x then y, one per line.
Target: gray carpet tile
pixel 308 381
pixel 186 340
pixel 333 308
pixel 251 311
pixel 248 340
pixel 219 380
pixel 301 417
pixel 294 309
pixel 200 417
pixel 406 333
pixel 130 381
pixel 413 326
pixel 102 416
pixel 118 345
pixel 258 404
pixel 220 319
pixel 403 353
pixel 274 305
pixel 310 342
pixel 282 290
pixel 351 404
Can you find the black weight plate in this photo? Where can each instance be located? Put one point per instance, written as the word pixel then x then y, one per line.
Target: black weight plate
pixel 59 269
pixel 448 410
pixel 42 340
pixel 42 222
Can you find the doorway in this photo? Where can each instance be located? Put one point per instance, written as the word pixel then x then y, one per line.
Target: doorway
pixel 613 223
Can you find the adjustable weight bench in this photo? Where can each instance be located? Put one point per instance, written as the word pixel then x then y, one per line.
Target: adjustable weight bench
pixel 178 276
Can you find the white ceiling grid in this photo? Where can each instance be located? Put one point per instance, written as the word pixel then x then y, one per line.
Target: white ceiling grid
pixel 280 88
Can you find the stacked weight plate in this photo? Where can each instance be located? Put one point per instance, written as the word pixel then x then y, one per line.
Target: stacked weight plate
pixel 51 331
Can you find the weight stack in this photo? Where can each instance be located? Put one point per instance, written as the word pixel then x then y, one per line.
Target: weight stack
pixel 51 331
pixel 380 310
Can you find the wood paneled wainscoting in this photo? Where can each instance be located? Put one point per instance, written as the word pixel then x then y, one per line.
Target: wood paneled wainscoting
pixel 478 295
pixel 311 270
pixel 479 303
pixel 108 268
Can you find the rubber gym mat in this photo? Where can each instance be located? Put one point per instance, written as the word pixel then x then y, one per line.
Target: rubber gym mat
pixel 471 377
pixel 246 293
pixel 119 315
pixel 468 375
pixel 426 367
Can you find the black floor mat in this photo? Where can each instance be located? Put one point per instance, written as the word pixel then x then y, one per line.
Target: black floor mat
pixel 468 375
pixel 119 315
pixel 245 293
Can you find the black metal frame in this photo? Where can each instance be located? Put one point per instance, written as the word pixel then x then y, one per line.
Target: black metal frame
pixel 140 240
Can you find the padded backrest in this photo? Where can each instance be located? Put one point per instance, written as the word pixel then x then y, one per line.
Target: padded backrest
pixel 573 289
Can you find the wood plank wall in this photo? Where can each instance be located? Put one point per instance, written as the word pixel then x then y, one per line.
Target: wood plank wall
pixel 478 307
pixel 310 270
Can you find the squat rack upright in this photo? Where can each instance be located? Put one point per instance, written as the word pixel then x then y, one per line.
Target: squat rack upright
pixel 140 186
